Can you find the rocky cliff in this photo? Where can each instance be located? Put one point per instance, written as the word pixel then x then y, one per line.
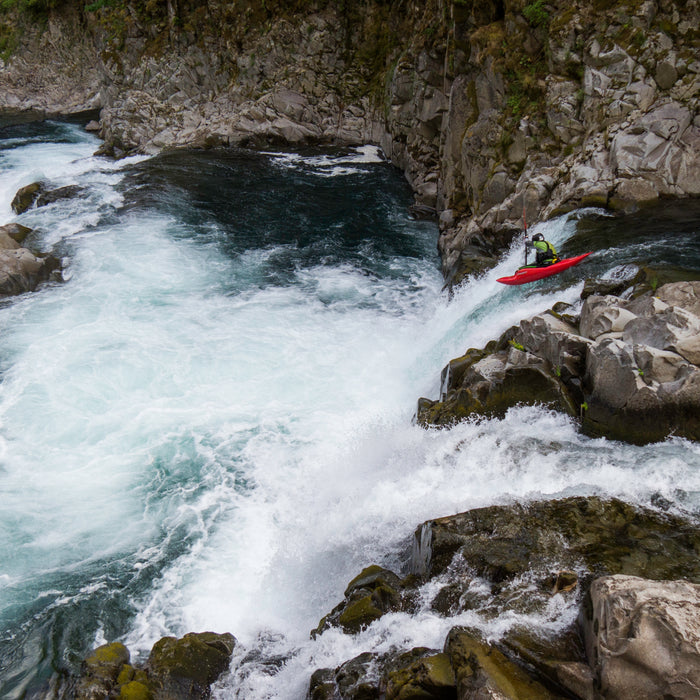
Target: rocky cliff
pixel 492 109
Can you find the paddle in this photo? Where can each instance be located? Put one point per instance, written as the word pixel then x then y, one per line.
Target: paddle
pixel 525 224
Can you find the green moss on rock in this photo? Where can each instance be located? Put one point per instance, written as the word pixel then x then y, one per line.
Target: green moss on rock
pixel 135 691
pixel 359 614
pixel 429 676
pixel 182 667
pixel 480 667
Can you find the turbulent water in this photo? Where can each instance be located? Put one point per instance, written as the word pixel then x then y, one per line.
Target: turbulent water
pixel 208 424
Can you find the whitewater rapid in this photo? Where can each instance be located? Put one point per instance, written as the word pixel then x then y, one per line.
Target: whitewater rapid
pixel 190 441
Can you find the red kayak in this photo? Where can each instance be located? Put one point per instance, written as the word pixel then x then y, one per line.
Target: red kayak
pixel 531 274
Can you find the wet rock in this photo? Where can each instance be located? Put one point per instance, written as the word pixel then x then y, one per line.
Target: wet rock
pixel 322 685
pixel 184 669
pixel 642 637
pixel 100 671
pixel 629 368
pixel 21 271
pixel 420 673
pixel 358 678
pixel 615 283
pixel 590 535
pixel 16 232
pixel 483 383
pixel 46 197
pixel 25 197
pixel 368 596
pixel 483 672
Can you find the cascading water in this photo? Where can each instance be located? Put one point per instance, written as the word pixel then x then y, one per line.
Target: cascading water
pixel 208 425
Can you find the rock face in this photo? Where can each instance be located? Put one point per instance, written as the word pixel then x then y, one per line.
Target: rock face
pixel 642 368
pixel 643 637
pixel 629 368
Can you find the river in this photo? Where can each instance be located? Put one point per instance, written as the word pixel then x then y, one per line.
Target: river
pixel 208 424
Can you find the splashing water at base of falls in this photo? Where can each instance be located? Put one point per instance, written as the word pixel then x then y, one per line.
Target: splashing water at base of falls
pixel 208 425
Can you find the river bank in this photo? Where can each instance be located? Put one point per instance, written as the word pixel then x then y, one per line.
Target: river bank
pixel 491 111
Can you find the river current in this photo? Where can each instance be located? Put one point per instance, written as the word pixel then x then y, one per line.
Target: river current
pixel 208 424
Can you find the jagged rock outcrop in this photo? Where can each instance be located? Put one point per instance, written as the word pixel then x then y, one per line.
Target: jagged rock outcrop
pixel 630 368
pixel 642 368
pixel 502 560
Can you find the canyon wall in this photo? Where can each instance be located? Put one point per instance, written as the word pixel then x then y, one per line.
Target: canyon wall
pixel 494 110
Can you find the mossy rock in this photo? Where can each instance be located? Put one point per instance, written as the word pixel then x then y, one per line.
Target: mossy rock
pixel 126 674
pixel 182 669
pixel 420 673
pixel 107 661
pixel 597 536
pixel 534 382
pixel 133 690
pixel 101 670
pixel 481 668
pixel 359 614
pixel 372 577
pixel 371 594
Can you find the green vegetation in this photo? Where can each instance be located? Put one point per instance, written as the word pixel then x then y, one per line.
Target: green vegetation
pixel 536 14
pixel 8 41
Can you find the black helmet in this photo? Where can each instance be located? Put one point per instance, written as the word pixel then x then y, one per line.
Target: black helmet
pixel 538 237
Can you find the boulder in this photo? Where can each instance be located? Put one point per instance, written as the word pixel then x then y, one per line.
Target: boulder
pixel 16 231
pixel 25 197
pixel 640 394
pixel 368 596
pixel 496 383
pixel 357 679
pixel 184 669
pixel 629 368
pixel 6 241
pixel 614 283
pixel 100 671
pixel 46 197
pixel 419 673
pixel 685 295
pixel 21 271
pixel 643 637
pixel 556 340
pixel 604 314
pixel 672 328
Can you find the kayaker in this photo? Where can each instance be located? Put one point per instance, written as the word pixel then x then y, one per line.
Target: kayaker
pixel 544 250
